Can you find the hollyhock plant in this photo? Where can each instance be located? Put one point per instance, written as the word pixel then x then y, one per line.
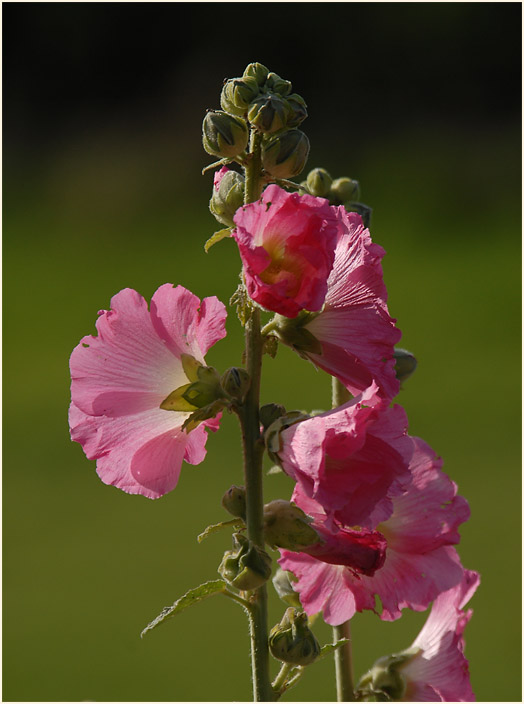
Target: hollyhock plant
pixel 420 562
pixel 287 246
pixel 352 460
pixel 121 377
pixel 434 669
pixel 353 337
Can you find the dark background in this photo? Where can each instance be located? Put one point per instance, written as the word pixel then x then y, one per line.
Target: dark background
pixel 103 104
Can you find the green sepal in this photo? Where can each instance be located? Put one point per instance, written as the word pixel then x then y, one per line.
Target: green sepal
pixel 190 365
pixel 215 528
pixel 271 346
pixel 219 235
pixel 201 414
pixel 177 402
pixel 193 596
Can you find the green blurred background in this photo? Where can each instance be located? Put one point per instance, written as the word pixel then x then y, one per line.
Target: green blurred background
pixel 103 105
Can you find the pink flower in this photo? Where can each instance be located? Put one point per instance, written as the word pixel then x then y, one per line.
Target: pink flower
pixel 218 176
pixel 352 460
pixel 420 562
pixel 287 245
pixel 440 672
pixel 354 329
pixel 121 376
pixel 434 668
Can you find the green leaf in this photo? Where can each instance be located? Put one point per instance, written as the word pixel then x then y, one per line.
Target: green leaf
pixel 234 522
pixel 193 596
pixel 217 237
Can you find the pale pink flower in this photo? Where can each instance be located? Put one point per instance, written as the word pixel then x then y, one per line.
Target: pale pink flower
pixel 440 672
pixel 287 245
pixel 352 460
pixel 121 376
pixel 420 562
pixel 356 333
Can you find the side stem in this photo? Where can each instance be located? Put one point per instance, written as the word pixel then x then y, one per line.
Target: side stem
pixel 343 655
pixel 253 454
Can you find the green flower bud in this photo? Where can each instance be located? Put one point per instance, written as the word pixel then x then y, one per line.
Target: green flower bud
pixel 319 182
pixel 234 501
pixel 224 135
pixel 285 155
pixel 269 113
pixel 298 110
pixel 385 679
pixel 287 526
pixel 228 198
pixel 292 641
pixel 235 381
pixel 405 364
pixel 246 566
pixel 275 84
pixel 344 189
pixel 283 583
pixel 257 71
pixel 238 93
pixel 270 412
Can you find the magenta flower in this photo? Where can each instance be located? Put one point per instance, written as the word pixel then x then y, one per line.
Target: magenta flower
pixel 352 460
pixel 121 376
pixel 355 332
pixel 420 563
pixel 440 672
pixel 287 245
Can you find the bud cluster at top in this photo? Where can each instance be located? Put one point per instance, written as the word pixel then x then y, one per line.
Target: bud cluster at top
pixel 261 100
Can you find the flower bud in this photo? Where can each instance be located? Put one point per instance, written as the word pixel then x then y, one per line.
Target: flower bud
pixel 385 677
pixel 246 566
pixel 238 93
pixel 234 501
pixel 235 381
pixel 292 641
pixel 405 364
pixel 257 71
pixel 270 412
pixel 269 113
pixel 287 526
pixel 319 182
pixel 224 135
pixel 298 110
pixel 275 84
pixel 283 583
pixel 286 155
pixel 344 189
pixel 228 197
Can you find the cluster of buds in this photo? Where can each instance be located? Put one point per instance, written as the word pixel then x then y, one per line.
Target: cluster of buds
pixel 339 191
pixel 262 101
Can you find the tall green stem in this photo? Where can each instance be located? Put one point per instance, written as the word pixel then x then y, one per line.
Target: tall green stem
pixel 253 454
pixel 343 655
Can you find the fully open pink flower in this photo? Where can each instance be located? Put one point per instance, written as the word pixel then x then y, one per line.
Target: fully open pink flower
pixel 352 460
pixel 355 331
pixel 420 562
pixel 287 245
pixel 440 672
pixel 121 376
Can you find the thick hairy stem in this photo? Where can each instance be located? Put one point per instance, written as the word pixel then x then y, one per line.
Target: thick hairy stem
pixel 253 454
pixel 343 657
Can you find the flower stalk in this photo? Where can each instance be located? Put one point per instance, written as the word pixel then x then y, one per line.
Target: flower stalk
pixel 343 655
pixel 253 453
